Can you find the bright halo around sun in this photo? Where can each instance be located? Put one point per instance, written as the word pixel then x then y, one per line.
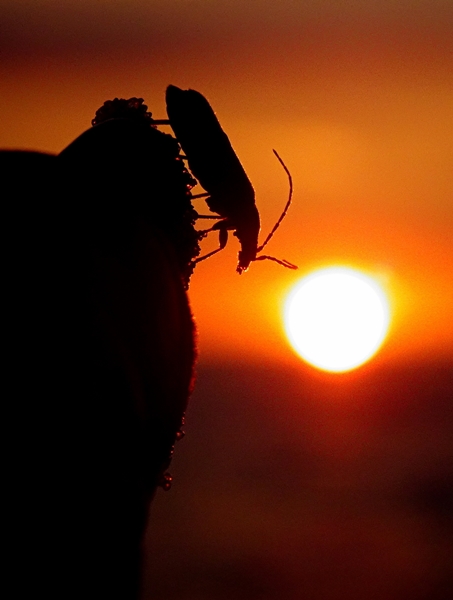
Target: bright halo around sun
pixel 336 318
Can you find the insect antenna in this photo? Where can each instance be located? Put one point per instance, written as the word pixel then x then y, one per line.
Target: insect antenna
pixel 282 262
pixel 282 216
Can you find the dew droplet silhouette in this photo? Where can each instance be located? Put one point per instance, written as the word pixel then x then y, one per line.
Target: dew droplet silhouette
pixel 166 481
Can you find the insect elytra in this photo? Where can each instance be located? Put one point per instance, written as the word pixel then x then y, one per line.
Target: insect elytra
pixel 212 160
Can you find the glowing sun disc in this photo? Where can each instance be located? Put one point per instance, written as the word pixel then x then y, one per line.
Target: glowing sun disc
pixel 336 318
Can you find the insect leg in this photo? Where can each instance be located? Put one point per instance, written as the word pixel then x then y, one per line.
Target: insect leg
pixel 223 239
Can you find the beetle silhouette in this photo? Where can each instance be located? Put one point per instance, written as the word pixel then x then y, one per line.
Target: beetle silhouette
pixel 215 164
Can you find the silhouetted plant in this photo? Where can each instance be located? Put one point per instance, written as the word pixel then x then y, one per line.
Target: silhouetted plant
pixel 100 348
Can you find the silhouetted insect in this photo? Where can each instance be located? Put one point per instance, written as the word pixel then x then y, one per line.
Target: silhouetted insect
pixel 214 163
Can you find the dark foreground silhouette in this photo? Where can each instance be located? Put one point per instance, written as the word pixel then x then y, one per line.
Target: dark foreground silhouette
pixel 98 354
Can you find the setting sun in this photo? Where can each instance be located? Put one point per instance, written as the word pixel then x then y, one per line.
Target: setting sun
pixel 336 318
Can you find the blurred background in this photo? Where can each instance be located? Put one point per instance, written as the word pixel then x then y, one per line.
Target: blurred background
pixel 290 482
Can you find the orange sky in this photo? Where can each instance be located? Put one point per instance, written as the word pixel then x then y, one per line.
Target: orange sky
pixel 358 102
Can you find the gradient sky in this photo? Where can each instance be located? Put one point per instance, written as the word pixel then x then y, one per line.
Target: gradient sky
pixel 357 99
pixel 288 479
